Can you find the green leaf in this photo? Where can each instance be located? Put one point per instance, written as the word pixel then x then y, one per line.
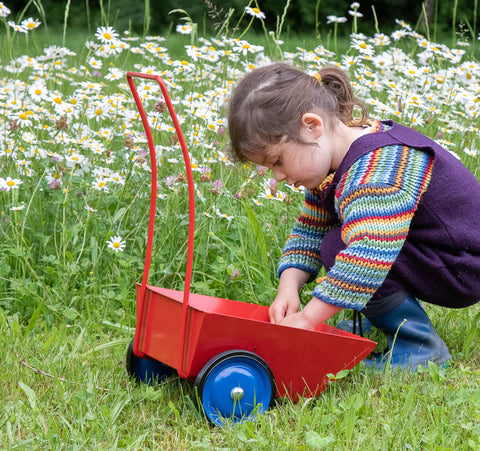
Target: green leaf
pixel 70 313
pixel 316 441
pixel 339 375
pixel 31 396
pixel 93 249
pixel 119 214
pixel 33 319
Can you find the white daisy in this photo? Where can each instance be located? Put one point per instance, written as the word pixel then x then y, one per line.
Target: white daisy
pixel 116 243
pixel 106 34
pixel 9 184
pixel 18 208
pixel 16 27
pixel 255 12
pixel 4 11
pixel 185 28
pixel 335 19
pixel 30 24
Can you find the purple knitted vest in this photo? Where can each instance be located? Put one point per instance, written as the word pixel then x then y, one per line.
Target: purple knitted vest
pixel 444 235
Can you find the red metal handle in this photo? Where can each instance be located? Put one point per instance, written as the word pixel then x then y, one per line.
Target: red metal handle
pixel 153 204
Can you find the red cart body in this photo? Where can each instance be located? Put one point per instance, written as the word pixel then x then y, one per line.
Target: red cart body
pixel 299 359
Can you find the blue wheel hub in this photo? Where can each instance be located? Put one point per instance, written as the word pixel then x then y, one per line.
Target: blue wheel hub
pixel 235 385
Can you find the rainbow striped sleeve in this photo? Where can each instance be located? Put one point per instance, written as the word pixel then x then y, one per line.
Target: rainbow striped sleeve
pixel 302 248
pixel 376 200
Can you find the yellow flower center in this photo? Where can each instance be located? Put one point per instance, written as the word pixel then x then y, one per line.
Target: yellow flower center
pixel 11 183
pixel 107 35
pixel 116 244
pixel 256 10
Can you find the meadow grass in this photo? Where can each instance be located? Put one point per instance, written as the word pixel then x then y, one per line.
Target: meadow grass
pixel 74 184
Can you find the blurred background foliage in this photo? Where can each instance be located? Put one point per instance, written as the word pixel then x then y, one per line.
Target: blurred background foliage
pixel 303 15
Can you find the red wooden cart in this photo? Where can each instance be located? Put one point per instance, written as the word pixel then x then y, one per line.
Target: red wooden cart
pixel 238 360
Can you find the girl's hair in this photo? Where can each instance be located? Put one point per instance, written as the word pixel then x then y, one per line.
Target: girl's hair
pixel 269 102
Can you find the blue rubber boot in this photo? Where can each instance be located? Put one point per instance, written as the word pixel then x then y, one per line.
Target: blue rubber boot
pixel 411 338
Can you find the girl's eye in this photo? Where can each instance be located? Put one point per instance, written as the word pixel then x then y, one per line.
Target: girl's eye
pixel 278 161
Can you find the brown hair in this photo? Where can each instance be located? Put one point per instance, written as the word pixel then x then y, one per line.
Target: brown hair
pixel 268 103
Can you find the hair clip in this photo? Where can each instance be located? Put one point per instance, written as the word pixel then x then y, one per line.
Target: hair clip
pixel 317 77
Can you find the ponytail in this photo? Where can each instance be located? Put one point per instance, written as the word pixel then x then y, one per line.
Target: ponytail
pixel 337 82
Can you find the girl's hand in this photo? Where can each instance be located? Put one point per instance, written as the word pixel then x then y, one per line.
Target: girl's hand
pixel 284 305
pixel 287 301
pixel 314 313
pixel 298 320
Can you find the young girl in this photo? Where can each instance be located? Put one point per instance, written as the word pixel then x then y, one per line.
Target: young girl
pixel 390 214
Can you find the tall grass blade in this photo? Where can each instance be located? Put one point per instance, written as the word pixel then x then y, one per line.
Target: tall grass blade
pixel 41 11
pixel 282 20
pixel 65 21
pixel 118 408
pixel 425 18
pixel 34 317
pixel 87 9
pixel 259 238
pixel 317 21
pixel 475 18
pixel 454 22
pixel 375 19
pixel 147 18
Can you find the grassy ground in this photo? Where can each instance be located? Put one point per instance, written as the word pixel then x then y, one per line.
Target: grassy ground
pixel 78 178
pixel 97 407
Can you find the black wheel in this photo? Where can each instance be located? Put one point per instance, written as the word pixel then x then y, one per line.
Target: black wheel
pixel 147 371
pixel 235 385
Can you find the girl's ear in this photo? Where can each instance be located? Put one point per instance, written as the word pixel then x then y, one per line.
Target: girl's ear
pixel 313 124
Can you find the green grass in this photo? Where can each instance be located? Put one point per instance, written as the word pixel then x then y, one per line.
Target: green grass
pixel 98 407
pixel 67 301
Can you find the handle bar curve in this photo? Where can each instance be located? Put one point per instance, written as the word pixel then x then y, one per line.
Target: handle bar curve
pixel 153 204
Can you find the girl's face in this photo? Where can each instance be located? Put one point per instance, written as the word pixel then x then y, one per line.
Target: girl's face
pixel 298 164
pixel 301 164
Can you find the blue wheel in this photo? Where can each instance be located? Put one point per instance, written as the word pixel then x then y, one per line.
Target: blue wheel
pixel 235 385
pixel 147 371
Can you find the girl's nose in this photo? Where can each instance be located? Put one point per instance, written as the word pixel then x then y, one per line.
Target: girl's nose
pixel 278 174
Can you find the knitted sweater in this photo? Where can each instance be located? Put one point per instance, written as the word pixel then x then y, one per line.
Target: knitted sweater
pixel 374 204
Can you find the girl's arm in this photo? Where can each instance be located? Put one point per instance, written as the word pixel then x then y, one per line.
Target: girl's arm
pixel 302 248
pixel 377 199
pixel 314 313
